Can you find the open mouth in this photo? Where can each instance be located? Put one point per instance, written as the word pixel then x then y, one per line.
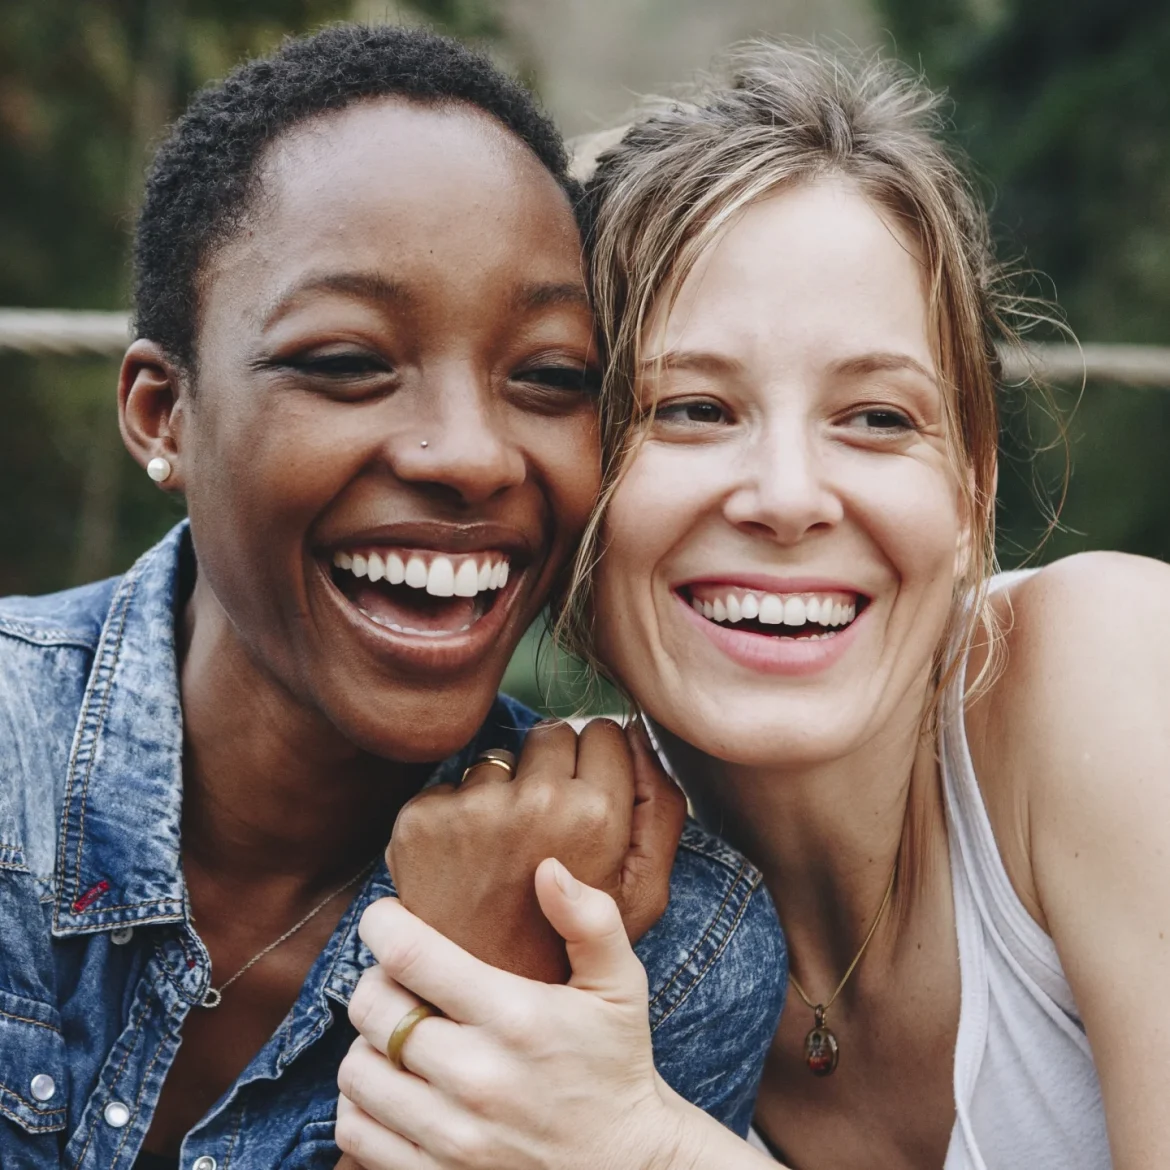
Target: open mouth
pixel 816 616
pixel 421 592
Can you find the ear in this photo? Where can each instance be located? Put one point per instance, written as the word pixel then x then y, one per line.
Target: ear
pixel 151 405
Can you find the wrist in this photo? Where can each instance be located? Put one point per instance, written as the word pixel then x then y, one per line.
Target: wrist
pixel 683 1135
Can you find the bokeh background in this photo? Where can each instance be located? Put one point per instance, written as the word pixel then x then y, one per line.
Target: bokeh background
pixel 1063 107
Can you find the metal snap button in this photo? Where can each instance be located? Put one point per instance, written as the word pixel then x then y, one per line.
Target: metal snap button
pixel 204 1163
pixel 116 1114
pixel 122 935
pixel 43 1086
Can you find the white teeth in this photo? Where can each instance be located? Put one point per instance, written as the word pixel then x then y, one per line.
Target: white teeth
pixel 416 573
pixel 444 577
pixel 794 611
pixel 466 580
pixel 771 610
pixel 441 578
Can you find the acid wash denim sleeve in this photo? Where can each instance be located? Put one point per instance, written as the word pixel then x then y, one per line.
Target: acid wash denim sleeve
pixel 100 963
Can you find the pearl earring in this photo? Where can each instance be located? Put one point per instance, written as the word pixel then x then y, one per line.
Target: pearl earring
pixel 159 469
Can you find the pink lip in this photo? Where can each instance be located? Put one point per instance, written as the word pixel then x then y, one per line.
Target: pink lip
pixel 768 654
pixel 415 654
pixel 766 584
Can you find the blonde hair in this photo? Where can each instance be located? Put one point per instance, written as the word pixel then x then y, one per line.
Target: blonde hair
pixel 682 173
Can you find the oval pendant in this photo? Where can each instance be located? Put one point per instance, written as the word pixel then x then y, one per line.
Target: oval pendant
pixel 211 998
pixel 820 1046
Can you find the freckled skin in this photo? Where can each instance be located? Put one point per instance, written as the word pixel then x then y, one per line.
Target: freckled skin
pixel 302 738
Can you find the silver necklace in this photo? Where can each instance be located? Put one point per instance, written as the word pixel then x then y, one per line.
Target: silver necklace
pixel 213 996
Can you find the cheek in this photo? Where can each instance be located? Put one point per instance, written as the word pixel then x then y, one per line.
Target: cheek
pixel 567 459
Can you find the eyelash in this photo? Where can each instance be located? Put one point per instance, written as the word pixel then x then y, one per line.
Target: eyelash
pixel 574 379
pixel 895 422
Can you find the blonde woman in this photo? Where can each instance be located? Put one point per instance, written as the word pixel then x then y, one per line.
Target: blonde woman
pixel 955 783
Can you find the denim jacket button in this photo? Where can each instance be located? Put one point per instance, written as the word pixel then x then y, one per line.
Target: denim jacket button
pixel 116 1114
pixel 204 1163
pixel 43 1087
pixel 122 935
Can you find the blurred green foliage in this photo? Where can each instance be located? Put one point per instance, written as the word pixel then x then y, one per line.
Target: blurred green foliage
pixel 1063 105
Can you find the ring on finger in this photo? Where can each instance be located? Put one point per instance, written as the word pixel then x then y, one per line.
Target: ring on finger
pixel 497 758
pixel 403 1029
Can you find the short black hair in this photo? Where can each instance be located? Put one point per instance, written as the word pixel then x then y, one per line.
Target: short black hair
pixel 203 179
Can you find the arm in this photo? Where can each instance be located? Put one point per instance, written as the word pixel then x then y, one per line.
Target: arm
pixel 463 859
pixel 1083 710
pixel 520 1074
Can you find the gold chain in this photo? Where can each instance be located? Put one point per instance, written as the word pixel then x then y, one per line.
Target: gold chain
pixel 822 1008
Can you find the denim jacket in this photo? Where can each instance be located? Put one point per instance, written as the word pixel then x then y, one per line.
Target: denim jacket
pixel 100 963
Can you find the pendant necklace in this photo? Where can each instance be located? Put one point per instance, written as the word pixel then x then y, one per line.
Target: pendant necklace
pixel 821 1049
pixel 214 995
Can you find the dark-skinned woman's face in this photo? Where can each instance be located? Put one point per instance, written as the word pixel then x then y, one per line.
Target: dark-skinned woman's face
pixel 390 448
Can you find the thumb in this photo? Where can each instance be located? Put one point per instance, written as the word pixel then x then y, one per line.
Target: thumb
pixel 588 920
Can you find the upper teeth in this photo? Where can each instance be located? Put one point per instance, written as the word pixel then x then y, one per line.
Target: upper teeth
pixel 771 609
pixel 443 577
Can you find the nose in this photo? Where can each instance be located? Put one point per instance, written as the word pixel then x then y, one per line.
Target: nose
pixel 784 490
pixel 458 445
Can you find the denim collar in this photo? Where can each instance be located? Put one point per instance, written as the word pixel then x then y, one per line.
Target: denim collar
pixel 116 869
pixel 119 857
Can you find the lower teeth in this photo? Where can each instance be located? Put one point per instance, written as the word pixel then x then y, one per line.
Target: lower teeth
pixel 411 630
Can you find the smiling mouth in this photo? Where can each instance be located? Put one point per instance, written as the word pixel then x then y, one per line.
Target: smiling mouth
pixel 421 592
pixel 815 616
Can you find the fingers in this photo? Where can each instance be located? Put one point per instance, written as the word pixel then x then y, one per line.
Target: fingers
pixel 378 1005
pixel 550 748
pixel 369 1146
pixel 420 959
pixel 660 811
pixel 588 920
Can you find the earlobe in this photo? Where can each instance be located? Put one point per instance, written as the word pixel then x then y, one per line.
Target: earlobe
pixel 150 386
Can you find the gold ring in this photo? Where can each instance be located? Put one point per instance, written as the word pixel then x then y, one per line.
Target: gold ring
pixel 497 757
pixel 403 1029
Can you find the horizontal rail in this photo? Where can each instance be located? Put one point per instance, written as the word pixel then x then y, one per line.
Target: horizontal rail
pixel 45 331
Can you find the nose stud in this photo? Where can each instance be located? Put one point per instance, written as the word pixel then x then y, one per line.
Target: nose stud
pixel 424 443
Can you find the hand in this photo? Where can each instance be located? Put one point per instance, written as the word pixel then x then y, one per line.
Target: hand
pixel 463 859
pixel 520 1075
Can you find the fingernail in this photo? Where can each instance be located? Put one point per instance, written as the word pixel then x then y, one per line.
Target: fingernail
pixel 570 886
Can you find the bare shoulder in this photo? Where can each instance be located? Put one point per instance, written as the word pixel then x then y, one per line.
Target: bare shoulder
pixel 1074 733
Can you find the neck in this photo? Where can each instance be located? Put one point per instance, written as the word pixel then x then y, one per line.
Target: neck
pixel 272 792
pixel 826 837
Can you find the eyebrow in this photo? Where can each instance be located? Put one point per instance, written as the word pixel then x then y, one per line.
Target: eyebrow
pixel 367 286
pixel 883 362
pixel 549 293
pixel 699 361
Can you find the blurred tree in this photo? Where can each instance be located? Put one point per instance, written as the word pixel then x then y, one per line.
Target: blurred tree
pixel 1064 107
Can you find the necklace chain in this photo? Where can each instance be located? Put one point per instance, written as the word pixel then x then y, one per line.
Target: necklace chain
pixel 821 1008
pixel 213 995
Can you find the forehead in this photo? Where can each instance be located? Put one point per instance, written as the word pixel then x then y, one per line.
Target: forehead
pixel 817 268
pixel 414 191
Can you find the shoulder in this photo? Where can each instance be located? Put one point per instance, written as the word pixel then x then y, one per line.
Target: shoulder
pixel 1086 646
pixel 1073 735
pixel 46 652
pixel 72 617
pixel 718 970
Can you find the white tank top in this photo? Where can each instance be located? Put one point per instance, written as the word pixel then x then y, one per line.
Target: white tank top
pixel 1027 1095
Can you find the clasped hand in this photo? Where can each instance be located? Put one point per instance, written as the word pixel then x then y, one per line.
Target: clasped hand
pixel 520 1072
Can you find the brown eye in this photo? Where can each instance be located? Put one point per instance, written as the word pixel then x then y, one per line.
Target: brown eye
pixel 694 412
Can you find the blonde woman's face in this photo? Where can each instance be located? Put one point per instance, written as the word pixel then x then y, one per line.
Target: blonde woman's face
pixel 781 555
